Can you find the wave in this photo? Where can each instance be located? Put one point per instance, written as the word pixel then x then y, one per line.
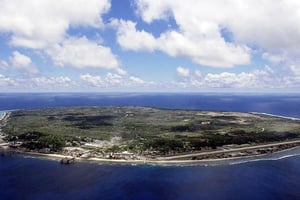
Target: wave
pixel 268 158
pixel 263 159
pixel 273 115
pixel 236 161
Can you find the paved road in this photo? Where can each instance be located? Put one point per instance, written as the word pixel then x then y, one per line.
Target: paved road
pixel 229 150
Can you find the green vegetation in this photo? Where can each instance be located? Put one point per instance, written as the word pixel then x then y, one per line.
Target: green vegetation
pixel 142 128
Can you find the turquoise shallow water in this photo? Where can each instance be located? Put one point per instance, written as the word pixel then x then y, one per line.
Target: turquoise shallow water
pixel 272 177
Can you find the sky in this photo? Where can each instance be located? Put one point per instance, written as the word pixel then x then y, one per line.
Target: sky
pixel 150 46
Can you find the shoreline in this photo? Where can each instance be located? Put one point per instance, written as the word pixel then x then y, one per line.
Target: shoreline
pixel 58 157
pixel 250 112
pixel 159 161
pixel 188 158
pixel 3 115
pixel 3 144
pixel 273 115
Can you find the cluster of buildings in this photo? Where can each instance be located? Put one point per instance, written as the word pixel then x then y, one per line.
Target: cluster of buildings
pixel 79 152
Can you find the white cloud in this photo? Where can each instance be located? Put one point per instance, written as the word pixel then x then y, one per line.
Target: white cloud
pixel 131 39
pixel 52 82
pixel 3 64
pixel 274 58
pixel 22 62
pixel 19 62
pixel 257 79
pixel 92 80
pixel 213 52
pixel 83 53
pixel 295 70
pixel 198 73
pixel 44 25
pixel 38 23
pixel 36 83
pixel 111 80
pixel 230 80
pixel 121 71
pixel 181 71
pixel 7 81
pixel 136 80
pixel 270 25
pixel 199 47
pixel 153 10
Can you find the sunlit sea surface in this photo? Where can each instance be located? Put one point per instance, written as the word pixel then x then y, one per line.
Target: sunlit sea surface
pixel 269 177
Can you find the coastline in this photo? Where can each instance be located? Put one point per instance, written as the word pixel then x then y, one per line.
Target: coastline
pixel 273 115
pixel 3 115
pixel 158 161
pixel 3 145
pixel 209 156
pixel 58 157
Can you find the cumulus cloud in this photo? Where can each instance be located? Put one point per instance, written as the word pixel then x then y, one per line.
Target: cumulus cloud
pixel 121 71
pixel 52 82
pixel 137 80
pixel 3 64
pixel 22 62
pixel 92 80
pixel 44 24
pixel 231 80
pixel 198 73
pixel 110 80
pixel 272 26
pixel 38 23
pixel 274 58
pixel 36 83
pixel 131 39
pixel 19 62
pixel 7 81
pixel 181 71
pixel 198 47
pixel 295 70
pixel 82 53
pixel 114 80
pixel 257 79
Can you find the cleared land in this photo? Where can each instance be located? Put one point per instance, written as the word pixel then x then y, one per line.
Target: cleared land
pixel 144 131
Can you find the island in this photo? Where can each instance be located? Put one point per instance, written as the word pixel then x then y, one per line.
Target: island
pixel 145 134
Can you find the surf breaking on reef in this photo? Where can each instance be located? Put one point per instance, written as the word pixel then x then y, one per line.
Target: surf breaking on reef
pixel 273 115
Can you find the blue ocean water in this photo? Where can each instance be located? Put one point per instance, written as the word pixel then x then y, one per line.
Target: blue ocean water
pixel 276 177
pixel 275 104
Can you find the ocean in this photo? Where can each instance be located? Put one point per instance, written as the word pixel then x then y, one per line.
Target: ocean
pixel 269 177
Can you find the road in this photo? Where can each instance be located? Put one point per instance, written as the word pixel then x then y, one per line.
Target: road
pixel 228 150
